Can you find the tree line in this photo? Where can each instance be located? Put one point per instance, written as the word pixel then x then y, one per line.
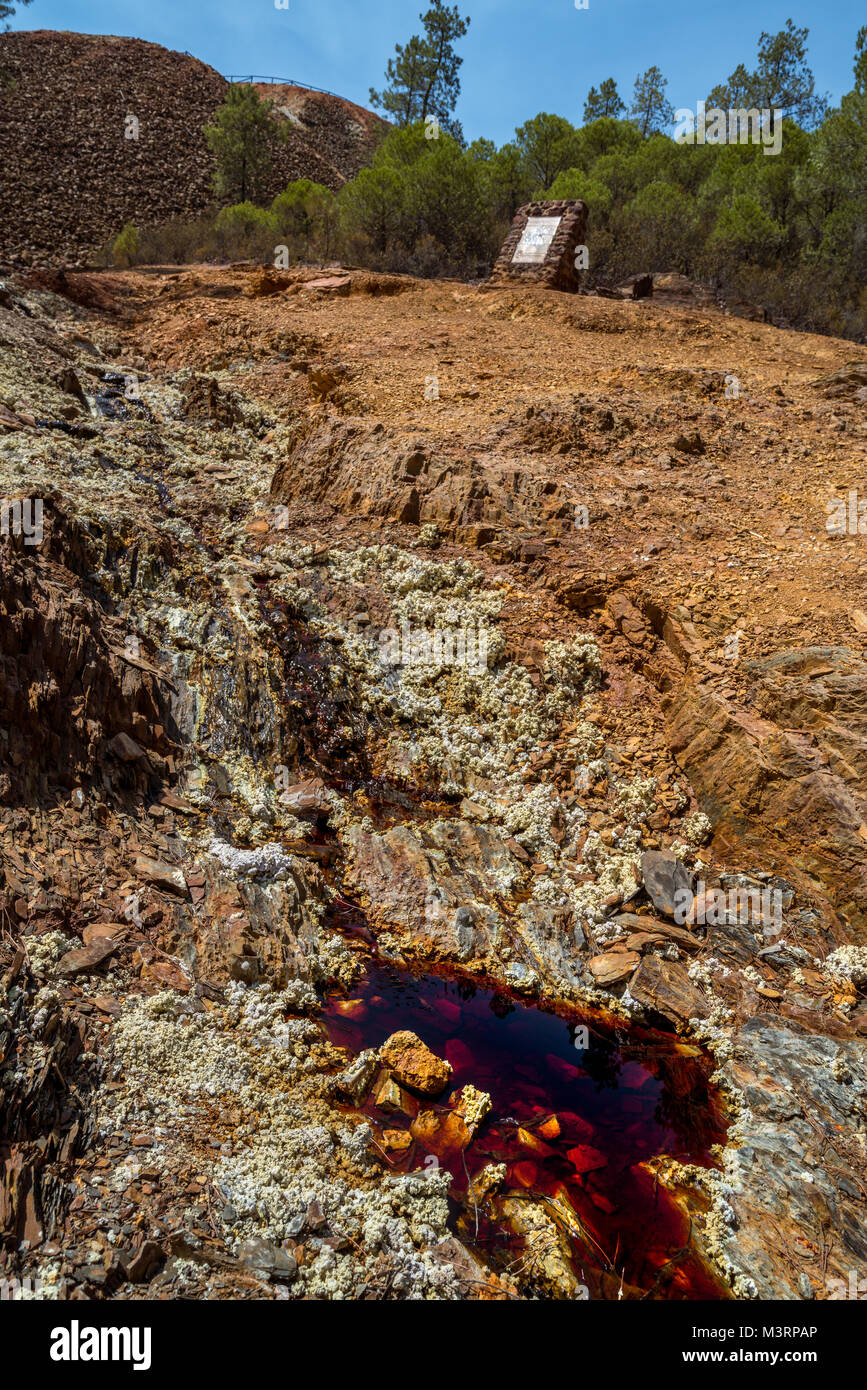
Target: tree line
pixel 788 231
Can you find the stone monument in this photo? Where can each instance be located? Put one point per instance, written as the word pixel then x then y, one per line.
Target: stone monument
pixel 542 247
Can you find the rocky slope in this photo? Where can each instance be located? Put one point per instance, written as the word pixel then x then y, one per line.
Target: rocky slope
pixel 238 768
pixel 96 131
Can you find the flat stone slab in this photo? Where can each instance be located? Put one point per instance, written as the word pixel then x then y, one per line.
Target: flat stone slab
pixel 613 967
pixel 664 878
pixel 536 240
pixel 664 985
pixel 330 284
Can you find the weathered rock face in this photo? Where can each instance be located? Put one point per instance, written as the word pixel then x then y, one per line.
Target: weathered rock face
pixel 793 774
pixel 77 704
pixel 358 468
pixel 43 1125
pixel 251 929
pixel 414 881
pixel 806 1094
pixel 328 131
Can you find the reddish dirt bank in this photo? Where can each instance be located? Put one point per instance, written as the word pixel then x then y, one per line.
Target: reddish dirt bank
pixel 249 479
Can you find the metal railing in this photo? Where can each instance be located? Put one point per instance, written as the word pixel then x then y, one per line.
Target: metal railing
pixel 282 82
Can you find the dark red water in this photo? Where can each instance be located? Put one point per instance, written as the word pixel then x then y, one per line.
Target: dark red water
pixel 630 1095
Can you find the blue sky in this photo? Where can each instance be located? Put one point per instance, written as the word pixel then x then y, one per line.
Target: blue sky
pixel 520 56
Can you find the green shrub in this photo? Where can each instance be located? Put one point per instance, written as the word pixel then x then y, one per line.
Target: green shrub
pixel 659 227
pixel 745 232
pixel 126 247
pixel 243 219
pixel 244 230
pixel 307 215
pixel 422 203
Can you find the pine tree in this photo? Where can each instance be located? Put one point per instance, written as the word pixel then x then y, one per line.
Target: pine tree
pixel 604 102
pixel 782 80
pixel 548 144
pixel 423 77
pixel 861 61
pixel 240 140
pixel 6 9
pixel 651 110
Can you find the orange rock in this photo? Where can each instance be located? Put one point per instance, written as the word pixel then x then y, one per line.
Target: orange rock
pixel 167 974
pixel 565 1070
pixel 530 1141
pixel 602 1202
pixel 449 1011
pixel 392 1098
pixel 330 284
pixel 613 967
pixel 414 1064
pixel 396 1140
pixel 106 1004
pixel 103 931
pixel 459 1055
pixel 576 1125
pixel 440 1134
pixel 525 1173
pixel 549 1129
pixel 87 958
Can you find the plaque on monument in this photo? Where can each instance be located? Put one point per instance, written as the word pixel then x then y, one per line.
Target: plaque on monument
pixel 535 240
pixel 545 246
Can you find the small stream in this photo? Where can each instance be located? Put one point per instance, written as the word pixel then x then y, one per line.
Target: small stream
pixel 630 1095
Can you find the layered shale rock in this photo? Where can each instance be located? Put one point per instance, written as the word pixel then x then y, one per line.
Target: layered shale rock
pixel 76 697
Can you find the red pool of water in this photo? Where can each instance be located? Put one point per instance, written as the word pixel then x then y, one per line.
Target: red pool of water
pixel 630 1095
